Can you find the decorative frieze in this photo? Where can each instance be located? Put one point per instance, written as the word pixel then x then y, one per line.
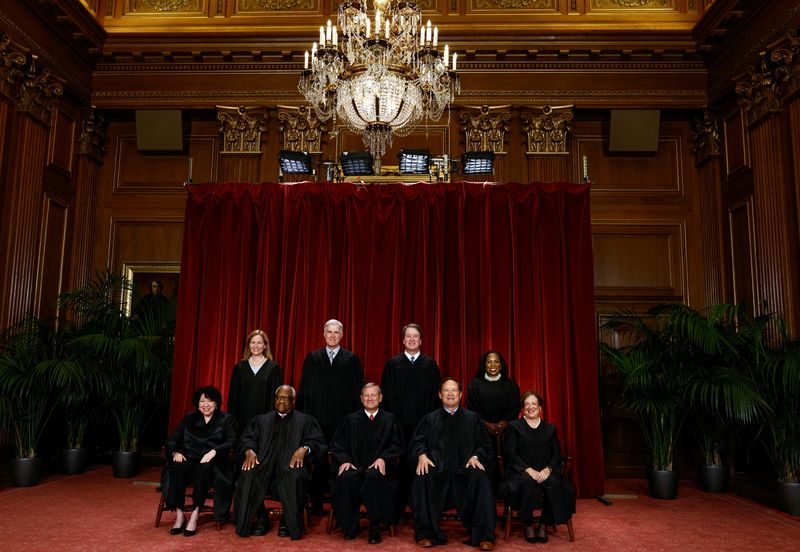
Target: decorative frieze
pixel 11 67
pixel 241 128
pixel 245 6
pixel 606 4
pixel 93 138
pixel 485 128
pixel 705 137
pixel 37 93
pixel 519 4
pixel 300 129
pixel 547 129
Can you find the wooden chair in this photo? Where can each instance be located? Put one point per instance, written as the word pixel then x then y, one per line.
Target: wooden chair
pixel 509 514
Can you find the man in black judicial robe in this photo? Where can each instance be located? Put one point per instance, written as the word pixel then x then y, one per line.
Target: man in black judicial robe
pixel 453 454
pixel 277 447
pixel 330 386
pixel 366 448
pixel 410 385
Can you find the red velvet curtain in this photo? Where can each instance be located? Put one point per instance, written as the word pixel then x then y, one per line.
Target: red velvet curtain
pixel 478 266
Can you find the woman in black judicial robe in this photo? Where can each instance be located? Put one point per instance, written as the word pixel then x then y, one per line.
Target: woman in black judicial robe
pixel 533 457
pixel 254 381
pixel 492 395
pixel 197 452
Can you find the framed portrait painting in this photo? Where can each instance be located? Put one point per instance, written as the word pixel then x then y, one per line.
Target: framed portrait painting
pixel 150 283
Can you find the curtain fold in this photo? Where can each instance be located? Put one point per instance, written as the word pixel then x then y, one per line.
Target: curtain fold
pixel 478 266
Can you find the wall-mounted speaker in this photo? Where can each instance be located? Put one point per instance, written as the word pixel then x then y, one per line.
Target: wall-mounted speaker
pixel 159 130
pixel 634 130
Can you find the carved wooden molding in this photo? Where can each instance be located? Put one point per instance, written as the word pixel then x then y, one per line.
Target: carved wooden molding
pixel 11 67
pixel 773 78
pixel 485 128
pixel 300 129
pixel 547 129
pixel 93 138
pixel 38 94
pixel 241 128
pixel 705 136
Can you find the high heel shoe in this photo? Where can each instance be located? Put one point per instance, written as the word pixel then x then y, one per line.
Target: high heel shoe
pixel 188 533
pixel 177 530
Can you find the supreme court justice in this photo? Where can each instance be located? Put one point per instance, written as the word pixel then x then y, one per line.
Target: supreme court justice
pixel 366 448
pixel 330 387
pixel 253 381
pixel 198 453
pixel 533 457
pixel 277 449
pixel 492 395
pixel 453 454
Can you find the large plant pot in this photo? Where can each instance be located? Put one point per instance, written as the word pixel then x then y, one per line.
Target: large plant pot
pixel 789 497
pixel 124 464
pixel 713 479
pixel 74 460
pixel 25 472
pixel 662 484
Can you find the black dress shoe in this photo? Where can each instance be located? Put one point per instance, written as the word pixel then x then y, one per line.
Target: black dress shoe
pixel 374 535
pixel 176 530
pixel 541 534
pixel 283 531
pixel 349 535
pixel 187 533
pixel 259 528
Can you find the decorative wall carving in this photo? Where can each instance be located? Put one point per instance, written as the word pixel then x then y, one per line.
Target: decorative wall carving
pixel 92 139
pixel 530 4
pixel 547 129
pixel 485 128
pixel 37 94
pixel 251 6
pixel 604 4
pixel 300 129
pixel 165 6
pixel 705 136
pixel 11 67
pixel 241 128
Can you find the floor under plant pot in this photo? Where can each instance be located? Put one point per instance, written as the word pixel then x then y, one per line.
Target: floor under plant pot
pixel 713 479
pixel 663 484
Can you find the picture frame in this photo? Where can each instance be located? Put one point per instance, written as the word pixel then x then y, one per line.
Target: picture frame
pixel 141 275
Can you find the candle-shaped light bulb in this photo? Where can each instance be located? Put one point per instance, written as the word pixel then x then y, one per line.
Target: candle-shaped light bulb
pixel 422 36
pixel 328 33
pixel 428 35
pixel 455 57
pixel 387 30
pixel 435 36
pixel 368 24
pixel 321 34
pixel 335 36
pixel 305 62
pixel 446 56
pixel 377 24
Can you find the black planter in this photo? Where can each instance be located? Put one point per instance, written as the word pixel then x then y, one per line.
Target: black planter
pixel 74 460
pixel 25 472
pixel 663 484
pixel 789 497
pixel 713 479
pixel 124 464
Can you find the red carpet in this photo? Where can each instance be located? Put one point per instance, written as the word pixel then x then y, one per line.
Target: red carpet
pixel 96 512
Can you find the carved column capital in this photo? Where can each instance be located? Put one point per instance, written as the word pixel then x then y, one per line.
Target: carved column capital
pixel 485 128
pixel 241 128
pixel 93 138
pixel 705 136
pixel 38 93
pixel 547 129
pixel 11 67
pixel 301 129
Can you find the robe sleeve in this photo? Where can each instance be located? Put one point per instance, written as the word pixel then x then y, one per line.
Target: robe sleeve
pixel 234 390
pixel 314 439
pixel 230 436
pixel 175 441
pixel 514 405
pixel 304 394
pixel 340 444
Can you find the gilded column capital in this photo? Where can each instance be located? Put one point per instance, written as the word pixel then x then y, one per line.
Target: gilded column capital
pixel 547 129
pixel 38 94
pixel 12 65
pixel 705 136
pixel 93 138
pixel 485 128
pixel 241 128
pixel 300 129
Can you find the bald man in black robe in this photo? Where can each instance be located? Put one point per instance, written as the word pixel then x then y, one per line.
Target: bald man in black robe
pixel 453 454
pixel 365 450
pixel 277 449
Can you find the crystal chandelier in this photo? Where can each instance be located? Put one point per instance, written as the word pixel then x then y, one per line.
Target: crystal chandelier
pixel 380 75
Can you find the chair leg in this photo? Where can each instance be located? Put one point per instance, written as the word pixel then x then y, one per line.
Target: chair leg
pixel 570 531
pixel 161 505
pixel 391 530
pixel 509 515
pixel 330 521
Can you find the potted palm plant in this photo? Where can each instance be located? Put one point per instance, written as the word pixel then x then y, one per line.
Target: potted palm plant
pixel 133 354
pixel 31 373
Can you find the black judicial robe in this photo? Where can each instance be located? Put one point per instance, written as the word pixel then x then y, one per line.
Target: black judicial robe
pixel 275 440
pixel 329 392
pixel 450 441
pixel 252 394
pixel 193 438
pixel 536 448
pixel 360 441
pixel 410 391
pixel 494 401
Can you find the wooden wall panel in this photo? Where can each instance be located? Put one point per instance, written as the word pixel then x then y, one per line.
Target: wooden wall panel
pixel 737 155
pixel 147 240
pixel 639 259
pixel 53 249
pixel 742 243
pixel 61 151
